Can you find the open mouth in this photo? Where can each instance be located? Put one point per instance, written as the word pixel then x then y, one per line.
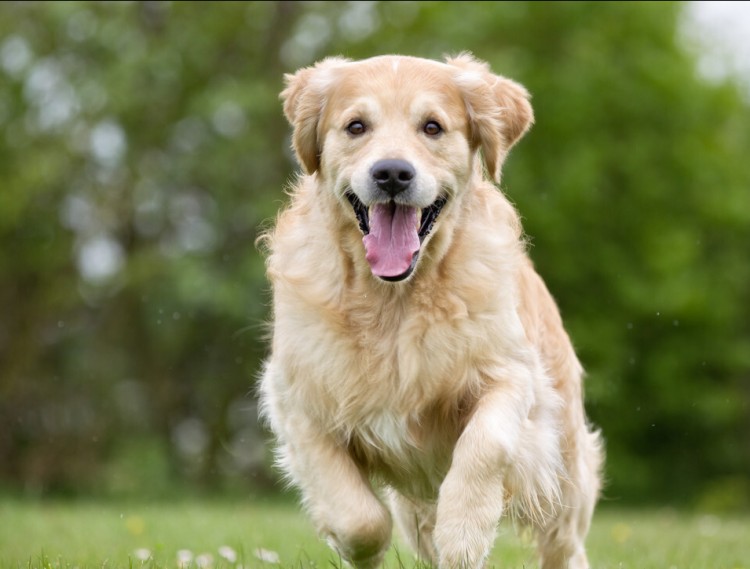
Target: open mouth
pixel 393 234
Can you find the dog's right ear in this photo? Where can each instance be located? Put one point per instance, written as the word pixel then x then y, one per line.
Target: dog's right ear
pixel 304 99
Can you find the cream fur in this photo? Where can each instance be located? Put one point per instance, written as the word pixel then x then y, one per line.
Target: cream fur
pixel 454 393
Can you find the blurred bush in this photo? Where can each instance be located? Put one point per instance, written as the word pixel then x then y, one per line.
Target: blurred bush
pixel 143 147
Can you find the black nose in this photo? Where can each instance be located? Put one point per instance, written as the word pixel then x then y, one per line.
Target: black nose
pixel 392 176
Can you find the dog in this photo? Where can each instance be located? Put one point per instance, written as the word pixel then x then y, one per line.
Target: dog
pixel 419 371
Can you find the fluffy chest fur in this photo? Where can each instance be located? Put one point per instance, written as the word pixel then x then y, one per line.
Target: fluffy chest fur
pixel 395 390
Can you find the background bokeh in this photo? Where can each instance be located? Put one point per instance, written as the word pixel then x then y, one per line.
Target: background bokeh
pixel 143 148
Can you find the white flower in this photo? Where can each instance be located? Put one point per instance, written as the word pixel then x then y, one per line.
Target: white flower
pixel 142 554
pixel 228 553
pixel 267 556
pixel 184 557
pixel 204 560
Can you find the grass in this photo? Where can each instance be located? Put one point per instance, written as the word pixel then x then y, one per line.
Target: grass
pixel 65 535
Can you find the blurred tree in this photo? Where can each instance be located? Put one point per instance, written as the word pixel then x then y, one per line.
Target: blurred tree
pixel 143 146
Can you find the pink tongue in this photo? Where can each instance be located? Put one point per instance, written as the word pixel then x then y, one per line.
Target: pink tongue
pixel 392 241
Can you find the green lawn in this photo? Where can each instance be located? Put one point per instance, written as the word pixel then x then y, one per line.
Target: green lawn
pixel 90 534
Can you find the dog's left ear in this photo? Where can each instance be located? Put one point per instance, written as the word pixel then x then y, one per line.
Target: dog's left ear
pixel 498 108
pixel 304 99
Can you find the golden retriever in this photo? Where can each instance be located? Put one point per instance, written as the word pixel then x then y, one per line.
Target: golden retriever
pixel 417 359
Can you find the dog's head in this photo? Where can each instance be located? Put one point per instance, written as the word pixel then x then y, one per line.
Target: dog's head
pixel 395 139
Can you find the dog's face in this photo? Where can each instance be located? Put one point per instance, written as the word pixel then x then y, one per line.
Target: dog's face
pixel 395 140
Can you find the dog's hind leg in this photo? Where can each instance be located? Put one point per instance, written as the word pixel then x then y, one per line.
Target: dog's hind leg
pixel 561 540
pixel 416 523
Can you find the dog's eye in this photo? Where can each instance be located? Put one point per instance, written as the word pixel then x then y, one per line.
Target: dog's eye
pixel 356 128
pixel 432 128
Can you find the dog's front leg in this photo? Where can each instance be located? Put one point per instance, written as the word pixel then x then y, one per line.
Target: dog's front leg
pixel 471 499
pixel 338 497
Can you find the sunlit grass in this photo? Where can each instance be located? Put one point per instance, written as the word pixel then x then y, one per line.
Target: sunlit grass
pixel 250 533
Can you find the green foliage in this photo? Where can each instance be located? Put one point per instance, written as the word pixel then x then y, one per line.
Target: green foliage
pixel 143 147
